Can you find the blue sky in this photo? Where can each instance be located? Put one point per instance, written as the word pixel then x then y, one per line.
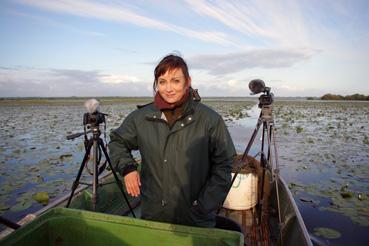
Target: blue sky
pixel 110 48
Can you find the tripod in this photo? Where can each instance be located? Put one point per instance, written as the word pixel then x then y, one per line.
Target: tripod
pixel 97 144
pixel 265 121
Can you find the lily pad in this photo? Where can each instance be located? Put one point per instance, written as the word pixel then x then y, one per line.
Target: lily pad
pixel 347 194
pixel 21 206
pixel 6 188
pixel 39 179
pixel 299 129
pixel 3 207
pixel 65 156
pixel 327 233
pixel 366 140
pixel 294 185
pixel 41 197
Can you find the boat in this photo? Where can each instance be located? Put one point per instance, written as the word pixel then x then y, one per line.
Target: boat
pixel 84 224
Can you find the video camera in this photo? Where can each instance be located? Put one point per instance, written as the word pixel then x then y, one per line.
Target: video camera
pixel 93 118
pixel 257 86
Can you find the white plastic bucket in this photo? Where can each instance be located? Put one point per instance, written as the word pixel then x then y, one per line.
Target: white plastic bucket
pixel 244 192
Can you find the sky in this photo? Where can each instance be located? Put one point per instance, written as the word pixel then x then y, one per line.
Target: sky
pixel 111 48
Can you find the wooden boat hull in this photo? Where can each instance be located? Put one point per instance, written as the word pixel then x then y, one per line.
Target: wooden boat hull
pixel 293 231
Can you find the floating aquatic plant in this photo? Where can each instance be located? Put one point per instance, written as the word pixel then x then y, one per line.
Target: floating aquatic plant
pixel 21 206
pixel 327 233
pixel 333 148
pixel 299 129
pixel 366 140
pixel 347 194
pixel 41 197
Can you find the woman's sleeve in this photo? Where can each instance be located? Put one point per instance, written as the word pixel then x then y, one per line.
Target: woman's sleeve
pixel 122 141
pixel 222 153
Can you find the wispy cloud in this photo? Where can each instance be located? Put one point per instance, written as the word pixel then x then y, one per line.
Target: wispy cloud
pixel 56 24
pixel 25 81
pixel 267 22
pixel 339 25
pixel 238 61
pixel 121 14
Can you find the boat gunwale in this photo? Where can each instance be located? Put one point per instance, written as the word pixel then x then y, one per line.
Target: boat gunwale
pixel 305 232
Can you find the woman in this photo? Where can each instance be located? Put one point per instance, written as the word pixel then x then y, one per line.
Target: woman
pixel 185 148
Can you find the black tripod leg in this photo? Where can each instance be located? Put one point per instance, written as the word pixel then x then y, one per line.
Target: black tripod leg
pixel 269 131
pixel 252 139
pixel 264 164
pixel 76 182
pixel 120 186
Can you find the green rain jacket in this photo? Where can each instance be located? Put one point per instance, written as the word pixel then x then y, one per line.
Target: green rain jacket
pixel 185 170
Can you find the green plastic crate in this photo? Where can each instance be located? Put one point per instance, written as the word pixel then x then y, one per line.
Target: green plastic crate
pixel 61 226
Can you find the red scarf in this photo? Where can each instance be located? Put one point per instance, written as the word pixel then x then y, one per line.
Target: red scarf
pixel 161 104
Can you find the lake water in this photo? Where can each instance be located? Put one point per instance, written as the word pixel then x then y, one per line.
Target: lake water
pixel 323 155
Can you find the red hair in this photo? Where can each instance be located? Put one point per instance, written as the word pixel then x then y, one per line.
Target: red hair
pixel 169 63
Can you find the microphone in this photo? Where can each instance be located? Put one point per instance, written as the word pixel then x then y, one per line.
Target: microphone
pixel 92 106
pixel 256 86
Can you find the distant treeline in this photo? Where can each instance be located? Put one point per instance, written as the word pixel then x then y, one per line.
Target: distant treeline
pixel 358 97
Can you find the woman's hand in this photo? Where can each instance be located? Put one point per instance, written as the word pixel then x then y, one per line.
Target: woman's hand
pixel 133 183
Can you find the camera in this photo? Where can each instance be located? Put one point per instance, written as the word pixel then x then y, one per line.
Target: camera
pixel 266 100
pixel 93 119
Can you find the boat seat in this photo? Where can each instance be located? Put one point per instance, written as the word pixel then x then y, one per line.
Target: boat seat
pixel 225 223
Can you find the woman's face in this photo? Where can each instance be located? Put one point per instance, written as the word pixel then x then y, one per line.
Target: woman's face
pixel 172 85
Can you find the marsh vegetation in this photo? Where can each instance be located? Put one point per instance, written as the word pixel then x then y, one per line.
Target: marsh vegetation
pixel 323 149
